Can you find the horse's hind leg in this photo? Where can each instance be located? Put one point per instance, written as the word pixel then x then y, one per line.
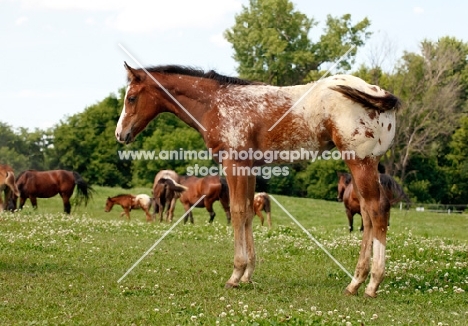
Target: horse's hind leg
pixel 209 207
pixel 375 209
pixel 268 213
pixel 260 215
pixel 33 202
pixel 350 219
pixel 66 204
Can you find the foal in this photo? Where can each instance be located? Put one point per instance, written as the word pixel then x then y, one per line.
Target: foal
pixel 262 203
pixel 232 114
pixel 129 202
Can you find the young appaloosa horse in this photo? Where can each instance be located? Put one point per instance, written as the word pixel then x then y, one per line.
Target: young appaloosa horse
pixel 165 192
pixel 158 205
pixel 213 187
pixel 45 184
pixel 262 203
pixel 8 186
pixel 233 114
pixel 129 202
pixel 348 196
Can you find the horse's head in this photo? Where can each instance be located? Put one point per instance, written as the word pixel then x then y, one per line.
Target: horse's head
pixel 12 201
pixel 139 105
pixel 344 179
pixel 109 204
pixel 10 182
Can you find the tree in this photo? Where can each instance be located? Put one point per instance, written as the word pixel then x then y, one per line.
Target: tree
pixel 22 149
pixel 458 158
pixel 430 86
pixel 271 42
pixel 85 143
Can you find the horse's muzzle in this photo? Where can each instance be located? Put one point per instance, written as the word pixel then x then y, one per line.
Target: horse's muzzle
pixel 124 138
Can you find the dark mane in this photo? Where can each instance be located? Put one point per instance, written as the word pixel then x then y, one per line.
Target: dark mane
pixel 190 71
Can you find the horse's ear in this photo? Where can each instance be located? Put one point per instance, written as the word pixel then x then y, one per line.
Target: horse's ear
pixel 132 74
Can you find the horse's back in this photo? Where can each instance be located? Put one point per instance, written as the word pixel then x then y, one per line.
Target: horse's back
pixel 166 174
pixel 45 184
pixel 143 200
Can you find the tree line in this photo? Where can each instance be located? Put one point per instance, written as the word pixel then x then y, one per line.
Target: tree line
pixel 271 44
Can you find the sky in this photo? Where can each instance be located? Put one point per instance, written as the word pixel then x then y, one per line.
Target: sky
pixel 59 57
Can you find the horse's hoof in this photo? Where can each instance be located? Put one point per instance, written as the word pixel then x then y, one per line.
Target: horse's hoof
pixel 370 295
pixel 347 293
pixel 231 286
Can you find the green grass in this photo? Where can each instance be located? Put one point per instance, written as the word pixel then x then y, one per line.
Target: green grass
pixel 59 269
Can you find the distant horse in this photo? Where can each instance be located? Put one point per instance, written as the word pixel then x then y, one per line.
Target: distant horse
pixel 45 184
pixel 8 186
pixel 262 203
pixel 233 114
pixel 165 192
pixel 168 174
pixel 346 194
pixel 129 202
pixel 213 187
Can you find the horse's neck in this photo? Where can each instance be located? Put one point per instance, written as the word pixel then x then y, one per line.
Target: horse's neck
pixel 193 99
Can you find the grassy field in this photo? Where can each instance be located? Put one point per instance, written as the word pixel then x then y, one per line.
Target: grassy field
pixel 59 269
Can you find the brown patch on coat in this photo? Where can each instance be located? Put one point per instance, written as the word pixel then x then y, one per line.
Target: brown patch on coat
pixel 389 127
pixel 369 133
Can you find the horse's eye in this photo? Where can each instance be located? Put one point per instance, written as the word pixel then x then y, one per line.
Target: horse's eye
pixel 131 99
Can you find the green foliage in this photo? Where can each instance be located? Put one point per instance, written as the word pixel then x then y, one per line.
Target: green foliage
pixel 85 143
pixel 319 179
pixel 24 150
pixel 458 158
pixel 170 135
pixel 271 43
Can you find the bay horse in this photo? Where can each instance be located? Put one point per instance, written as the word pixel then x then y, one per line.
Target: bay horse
pixel 262 203
pixel 213 187
pixel 34 184
pixel 165 192
pixel 129 202
pixel 8 186
pixel 233 114
pixel 158 205
pixel 346 194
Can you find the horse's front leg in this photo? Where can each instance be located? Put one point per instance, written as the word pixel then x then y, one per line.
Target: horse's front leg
pixel 244 253
pixel 247 277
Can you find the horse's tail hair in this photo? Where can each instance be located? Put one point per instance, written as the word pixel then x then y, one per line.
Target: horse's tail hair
pixel 224 189
pixel 267 205
pixel 84 190
pixel 380 103
pixel 399 194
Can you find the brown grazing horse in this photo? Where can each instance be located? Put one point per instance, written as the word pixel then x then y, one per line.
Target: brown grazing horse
pixel 234 115
pixel 165 192
pixel 262 203
pixel 45 184
pixel 129 202
pixel 346 194
pixel 213 187
pixel 8 186
pixel 168 174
